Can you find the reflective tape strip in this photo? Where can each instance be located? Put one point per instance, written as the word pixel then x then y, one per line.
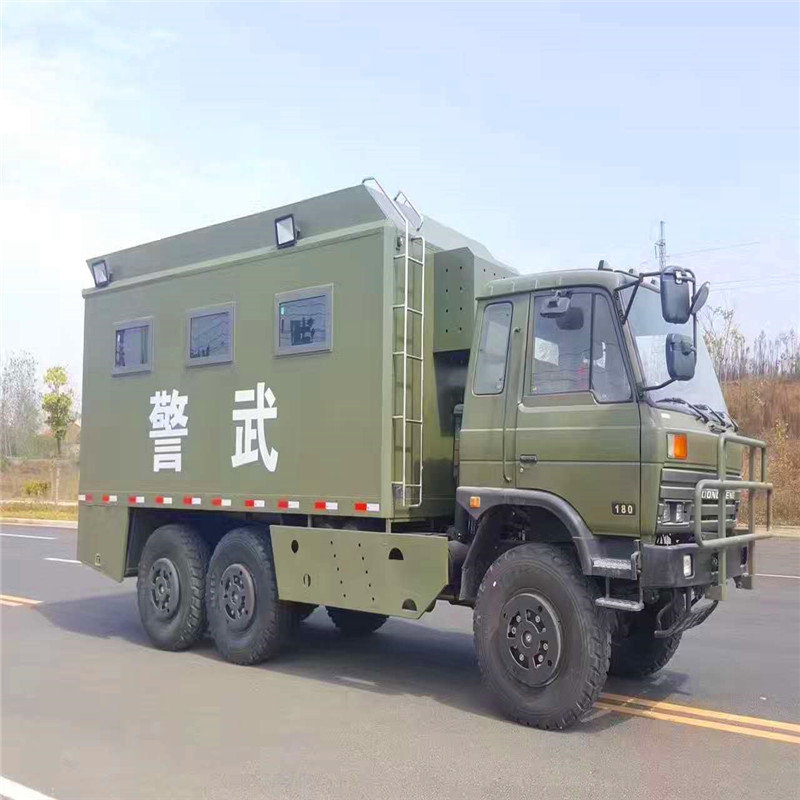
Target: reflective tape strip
pixel 191 501
pixel 164 501
pixel 82 498
pixel 254 503
pixel 220 501
pixel 291 504
pixel 109 498
pixel 85 498
pixel 369 507
pixel 326 505
pixel 138 499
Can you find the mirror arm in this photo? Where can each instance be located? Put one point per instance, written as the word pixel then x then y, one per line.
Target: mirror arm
pixel 657 386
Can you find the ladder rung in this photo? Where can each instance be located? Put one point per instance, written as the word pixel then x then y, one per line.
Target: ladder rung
pixel 408 355
pixel 408 485
pixel 400 416
pixel 412 310
pixel 411 258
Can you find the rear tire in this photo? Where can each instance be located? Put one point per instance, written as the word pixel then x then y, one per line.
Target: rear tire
pixel 635 651
pixel 542 644
pixel 248 622
pixel 355 623
pixel 171 585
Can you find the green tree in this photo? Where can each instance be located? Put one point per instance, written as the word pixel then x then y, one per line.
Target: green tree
pixel 57 404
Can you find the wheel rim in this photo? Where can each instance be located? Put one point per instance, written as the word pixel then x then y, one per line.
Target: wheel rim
pixel 529 639
pixel 238 594
pixel 165 588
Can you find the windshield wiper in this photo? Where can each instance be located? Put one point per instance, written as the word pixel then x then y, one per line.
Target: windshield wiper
pixel 723 416
pixel 700 414
pixel 717 414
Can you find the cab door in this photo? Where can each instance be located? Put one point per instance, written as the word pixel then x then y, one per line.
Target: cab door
pixel 577 422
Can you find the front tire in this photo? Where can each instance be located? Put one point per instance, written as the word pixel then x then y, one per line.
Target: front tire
pixel 171 585
pixel 543 645
pixel 635 651
pixel 355 623
pixel 248 622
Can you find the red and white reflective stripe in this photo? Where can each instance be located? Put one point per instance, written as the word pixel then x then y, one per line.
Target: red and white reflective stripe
pixel 191 501
pixel 162 500
pixel 136 499
pixel 369 507
pixel 250 503
pixel 326 505
pixel 85 498
pixel 290 504
pixel 221 501
pixel 109 498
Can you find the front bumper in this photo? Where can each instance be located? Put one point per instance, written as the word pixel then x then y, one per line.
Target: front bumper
pixel 662 566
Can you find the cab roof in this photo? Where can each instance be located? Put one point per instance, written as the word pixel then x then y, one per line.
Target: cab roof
pixel 603 278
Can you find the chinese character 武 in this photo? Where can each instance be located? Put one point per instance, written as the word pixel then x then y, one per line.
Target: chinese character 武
pixel 250 427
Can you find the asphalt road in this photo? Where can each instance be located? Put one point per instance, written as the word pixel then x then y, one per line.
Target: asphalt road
pixel 91 710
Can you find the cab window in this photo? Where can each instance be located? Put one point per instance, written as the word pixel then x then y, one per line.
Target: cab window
pixel 578 351
pixel 561 347
pixel 490 369
pixel 609 380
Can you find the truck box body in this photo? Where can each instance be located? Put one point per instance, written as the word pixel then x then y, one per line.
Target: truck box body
pixel 330 386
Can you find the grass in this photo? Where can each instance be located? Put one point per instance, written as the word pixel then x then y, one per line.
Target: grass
pixel 769 409
pixel 38 511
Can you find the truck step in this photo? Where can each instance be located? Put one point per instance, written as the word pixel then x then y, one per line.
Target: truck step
pixel 618 604
pixel 613 568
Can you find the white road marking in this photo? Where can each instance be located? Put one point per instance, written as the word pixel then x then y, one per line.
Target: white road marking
pixel 9 603
pixel 63 560
pixel 16 791
pixel 27 536
pixel 767 575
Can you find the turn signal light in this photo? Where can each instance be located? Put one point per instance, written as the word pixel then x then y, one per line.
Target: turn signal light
pixel 677 445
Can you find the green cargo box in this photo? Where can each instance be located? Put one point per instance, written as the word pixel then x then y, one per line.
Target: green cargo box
pixel 225 373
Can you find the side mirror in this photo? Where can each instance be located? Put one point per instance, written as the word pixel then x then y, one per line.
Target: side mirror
pixel 555 306
pixel 675 297
pixel 681 357
pixel 700 297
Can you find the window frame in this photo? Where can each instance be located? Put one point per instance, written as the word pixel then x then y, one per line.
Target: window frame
pixel 325 346
pixel 207 311
pixel 509 302
pixel 594 292
pixel 139 322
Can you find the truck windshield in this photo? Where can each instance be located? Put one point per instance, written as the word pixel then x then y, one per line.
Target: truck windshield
pixel 650 332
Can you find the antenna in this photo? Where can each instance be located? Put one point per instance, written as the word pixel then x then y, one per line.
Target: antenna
pixel 661 250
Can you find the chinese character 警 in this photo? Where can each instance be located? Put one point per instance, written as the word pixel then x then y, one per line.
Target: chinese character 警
pixel 169 423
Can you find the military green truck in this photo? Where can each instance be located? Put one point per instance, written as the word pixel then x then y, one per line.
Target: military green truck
pixel 337 403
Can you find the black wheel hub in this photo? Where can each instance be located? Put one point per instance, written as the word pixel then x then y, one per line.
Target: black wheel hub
pixel 529 638
pixel 238 596
pixel 165 588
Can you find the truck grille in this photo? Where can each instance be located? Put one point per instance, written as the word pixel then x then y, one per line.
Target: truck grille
pixel 679 484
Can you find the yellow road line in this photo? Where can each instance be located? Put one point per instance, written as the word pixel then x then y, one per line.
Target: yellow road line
pixel 19 600
pixel 9 603
pixel 700 723
pixel 661 705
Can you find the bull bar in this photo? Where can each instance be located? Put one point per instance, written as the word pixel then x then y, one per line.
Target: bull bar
pixel 723 542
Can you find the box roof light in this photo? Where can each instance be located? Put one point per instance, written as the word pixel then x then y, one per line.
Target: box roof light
pixel 101 273
pixel 285 231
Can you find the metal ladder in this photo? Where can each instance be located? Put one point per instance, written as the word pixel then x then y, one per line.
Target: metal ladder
pixel 411 256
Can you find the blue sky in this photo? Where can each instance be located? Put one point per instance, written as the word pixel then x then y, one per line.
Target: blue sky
pixel 556 134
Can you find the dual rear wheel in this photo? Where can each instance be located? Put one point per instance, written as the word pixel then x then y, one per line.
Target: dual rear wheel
pixel 183 591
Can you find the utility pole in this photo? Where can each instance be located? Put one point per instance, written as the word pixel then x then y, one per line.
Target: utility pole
pixel 661 250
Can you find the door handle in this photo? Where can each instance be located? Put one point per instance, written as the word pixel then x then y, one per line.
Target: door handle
pixel 528 459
